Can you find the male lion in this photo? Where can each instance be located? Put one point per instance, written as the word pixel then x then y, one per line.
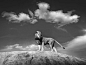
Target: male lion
pixel 45 41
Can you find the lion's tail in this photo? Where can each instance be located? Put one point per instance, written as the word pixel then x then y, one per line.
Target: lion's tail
pixel 58 43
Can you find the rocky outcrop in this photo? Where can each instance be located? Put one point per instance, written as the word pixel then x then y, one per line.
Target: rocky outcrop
pixel 38 58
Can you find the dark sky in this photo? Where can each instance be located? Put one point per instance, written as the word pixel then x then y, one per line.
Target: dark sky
pixel 15 33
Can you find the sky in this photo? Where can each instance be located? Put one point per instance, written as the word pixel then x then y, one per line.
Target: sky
pixel 62 20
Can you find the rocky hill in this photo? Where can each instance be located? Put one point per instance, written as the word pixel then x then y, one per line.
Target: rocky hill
pixel 38 58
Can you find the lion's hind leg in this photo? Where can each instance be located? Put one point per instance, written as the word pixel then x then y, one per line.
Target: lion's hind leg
pixel 54 49
pixel 52 46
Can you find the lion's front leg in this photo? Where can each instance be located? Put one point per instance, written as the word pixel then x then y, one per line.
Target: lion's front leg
pixel 39 48
pixel 42 46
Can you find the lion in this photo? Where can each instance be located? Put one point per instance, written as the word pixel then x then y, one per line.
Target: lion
pixel 45 41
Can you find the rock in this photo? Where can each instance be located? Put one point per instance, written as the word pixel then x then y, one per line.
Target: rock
pixel 38 58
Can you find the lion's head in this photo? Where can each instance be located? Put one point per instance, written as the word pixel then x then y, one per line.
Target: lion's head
pixel 38 34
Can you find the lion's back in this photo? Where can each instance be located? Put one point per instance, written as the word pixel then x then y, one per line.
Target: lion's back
pixel 47 39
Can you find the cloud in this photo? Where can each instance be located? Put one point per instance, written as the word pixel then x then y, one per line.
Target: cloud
pixel 42 12
pixel 76 47
pixel 43 5
pixel 57 17
pixel 31 13
pixel 17 47
pixel 78 43
pixel 11 47
pixel 83 30
pixel 12 17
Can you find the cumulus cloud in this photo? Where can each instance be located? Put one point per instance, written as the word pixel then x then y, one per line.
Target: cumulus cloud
pixel 18 18
pixel 42 12
pixel 76 47
pixel 11 47
pixel 20 48
pixel 78 43
pixel 17 47
pixel 57 17
pixel 43 5
pixel 31 13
